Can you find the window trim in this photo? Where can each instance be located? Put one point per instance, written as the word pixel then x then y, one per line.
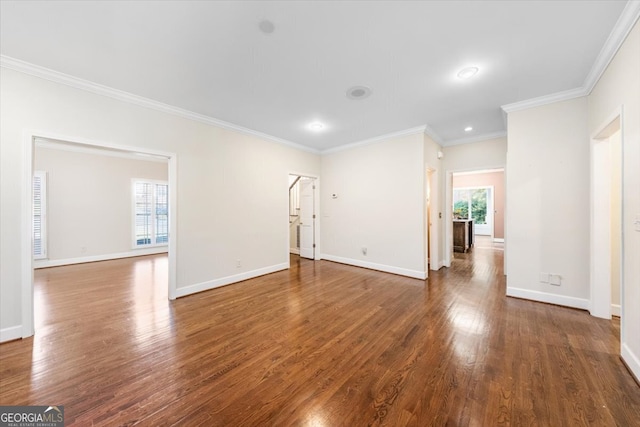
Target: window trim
pixel 134 242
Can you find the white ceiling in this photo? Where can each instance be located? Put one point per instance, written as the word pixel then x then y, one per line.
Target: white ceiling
pixel 212 59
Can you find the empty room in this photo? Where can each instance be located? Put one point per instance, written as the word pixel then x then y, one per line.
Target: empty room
pixel 320 213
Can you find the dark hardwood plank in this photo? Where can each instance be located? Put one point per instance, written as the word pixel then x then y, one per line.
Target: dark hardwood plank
pixel 321 344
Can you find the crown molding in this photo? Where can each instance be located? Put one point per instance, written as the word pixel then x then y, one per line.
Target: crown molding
pixel 77 148
pixel 398 134
pixel 77 83
pixel 477 138
pixel 544 100
pixel 619 33
pixel 624 25
pixel 433 135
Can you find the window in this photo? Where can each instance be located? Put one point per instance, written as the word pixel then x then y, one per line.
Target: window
pixel 39 215
pixel 151 213
pixel 471 200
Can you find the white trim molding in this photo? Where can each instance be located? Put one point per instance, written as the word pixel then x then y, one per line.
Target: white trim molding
pixel 398 134
pixel 615 310
pixel 546 99
pixel 433 135
pixel 85 149
pixel 631 360
pixel 416 274
pixel 546 297
pixel 10 334
pixel 228 280
pixel 620 31
pixel 618 35
pixel 75 82
pixel 96 258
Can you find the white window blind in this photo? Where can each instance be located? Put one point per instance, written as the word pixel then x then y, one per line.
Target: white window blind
pixel 39 215
pixel 151 213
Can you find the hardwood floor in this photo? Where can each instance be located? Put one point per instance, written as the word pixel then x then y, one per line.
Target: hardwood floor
pixel 321 344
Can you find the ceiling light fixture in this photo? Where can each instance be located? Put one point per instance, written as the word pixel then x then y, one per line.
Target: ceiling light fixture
pixel 266 26
pixel 467 73
pixel 358 92
pixel 316 126
pixel 468 129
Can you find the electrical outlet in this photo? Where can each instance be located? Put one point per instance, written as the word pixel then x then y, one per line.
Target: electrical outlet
pixel 364 250
pixel 238 263
pixel 555 279
pixel 544 277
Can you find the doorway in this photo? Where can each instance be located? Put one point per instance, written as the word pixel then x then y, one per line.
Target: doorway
pixel 432 261
pixel 607 293
pixel 302 216
pixel 28 208
pixel 477 194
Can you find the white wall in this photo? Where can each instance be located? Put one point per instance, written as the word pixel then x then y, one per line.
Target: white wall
pixel 232 187
pixel 548 202
pixel 620 86
pixel 489 154
pixel 380 205
pixel 89 203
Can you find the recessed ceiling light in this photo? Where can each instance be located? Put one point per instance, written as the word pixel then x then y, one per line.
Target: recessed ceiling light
pixel 358 92
pixel 316 126
pixel 468 129
pixel 467 73
pixel 266 26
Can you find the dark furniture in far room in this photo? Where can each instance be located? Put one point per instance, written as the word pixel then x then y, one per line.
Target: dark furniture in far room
pixel 462 234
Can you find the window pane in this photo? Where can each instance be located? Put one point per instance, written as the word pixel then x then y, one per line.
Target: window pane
pixel 162 213
pixel 143 212
pixel 461 203
pixel 479 205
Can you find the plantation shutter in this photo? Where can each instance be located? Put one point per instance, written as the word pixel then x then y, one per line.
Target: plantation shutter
pixel 39 215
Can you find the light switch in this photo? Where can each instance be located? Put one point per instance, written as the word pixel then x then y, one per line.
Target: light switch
pixel 637 222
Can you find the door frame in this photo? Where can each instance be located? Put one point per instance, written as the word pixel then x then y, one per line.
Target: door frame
pixel 316 212
pixel 448 209
pixel 432 231
pixel 28 150
pixel 600 220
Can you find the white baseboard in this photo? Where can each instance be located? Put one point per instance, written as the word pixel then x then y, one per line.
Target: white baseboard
pixel 212 284
pixel 422 275
pixel 632 361
pixel 294 251
pixel 10 334
pixel 498 240
pixel 556 299
pixel 615 310
pixel 94 258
